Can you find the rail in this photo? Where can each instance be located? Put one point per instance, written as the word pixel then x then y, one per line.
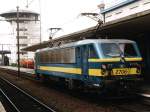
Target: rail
pixel 21 100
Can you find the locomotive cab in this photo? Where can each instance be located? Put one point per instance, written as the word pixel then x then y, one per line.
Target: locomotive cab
pixel 116 61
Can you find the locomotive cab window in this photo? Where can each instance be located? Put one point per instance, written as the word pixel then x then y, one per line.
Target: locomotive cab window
pixel 112 50
pixel 129 50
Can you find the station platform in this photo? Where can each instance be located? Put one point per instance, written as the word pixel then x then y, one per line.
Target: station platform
pixel 145 90
pixel 24 70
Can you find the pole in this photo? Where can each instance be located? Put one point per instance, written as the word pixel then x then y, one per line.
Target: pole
pixel 18 45
pixel 40 22
pixel 2 56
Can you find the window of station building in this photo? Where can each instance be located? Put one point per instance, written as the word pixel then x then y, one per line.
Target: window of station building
pixel 23 45
pixel 36 18
pixel 108 16
pixel 133 7
pixel 92 52
pixel 22 29
pixel 119 12
pixel 23 52
pixel 23 37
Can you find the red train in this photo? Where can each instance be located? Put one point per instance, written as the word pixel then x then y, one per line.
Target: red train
pixel 27 63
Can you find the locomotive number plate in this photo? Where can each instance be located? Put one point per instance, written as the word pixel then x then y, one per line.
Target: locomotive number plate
pixel 123 71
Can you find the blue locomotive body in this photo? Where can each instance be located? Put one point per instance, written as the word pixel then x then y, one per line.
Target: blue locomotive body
pixel 93 62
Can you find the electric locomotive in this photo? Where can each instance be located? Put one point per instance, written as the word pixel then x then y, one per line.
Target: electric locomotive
pixel 92 63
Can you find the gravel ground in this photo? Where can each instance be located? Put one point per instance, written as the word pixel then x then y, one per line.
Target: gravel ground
pixel 60 101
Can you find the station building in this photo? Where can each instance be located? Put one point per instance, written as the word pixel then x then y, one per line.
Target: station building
pixel 123 8
pixel 29 32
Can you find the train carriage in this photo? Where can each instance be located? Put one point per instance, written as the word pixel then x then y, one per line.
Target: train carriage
pixel 92 62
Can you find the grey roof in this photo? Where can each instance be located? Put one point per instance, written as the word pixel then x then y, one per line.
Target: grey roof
pixel 12 12
pixel 89 41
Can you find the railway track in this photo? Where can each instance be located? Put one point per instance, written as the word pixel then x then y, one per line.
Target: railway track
pixel 139 104
pixel 19 100
pixel 7 103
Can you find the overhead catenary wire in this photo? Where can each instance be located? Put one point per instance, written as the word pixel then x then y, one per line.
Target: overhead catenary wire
pixel 29 3
pixel 77 17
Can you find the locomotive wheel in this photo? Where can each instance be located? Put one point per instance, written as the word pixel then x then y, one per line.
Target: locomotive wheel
pixel 37 76
pixel 74 84
pixel 62 82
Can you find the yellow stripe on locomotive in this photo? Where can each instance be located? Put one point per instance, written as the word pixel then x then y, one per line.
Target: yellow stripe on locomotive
pixel 61 69
pixel 114 59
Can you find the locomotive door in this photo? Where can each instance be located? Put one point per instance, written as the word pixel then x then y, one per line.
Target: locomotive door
pixel 84 60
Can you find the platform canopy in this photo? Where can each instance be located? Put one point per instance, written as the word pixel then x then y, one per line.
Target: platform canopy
pixel 126 27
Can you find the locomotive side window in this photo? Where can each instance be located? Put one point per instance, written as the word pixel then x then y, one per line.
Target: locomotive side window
pixel 41 56
pixel 92 52
pixel 65 55
pixel 50 57
pixel 46 58
pixel 69 55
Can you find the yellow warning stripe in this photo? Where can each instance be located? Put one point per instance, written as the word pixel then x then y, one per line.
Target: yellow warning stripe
pixel 62 69
pixel 133 59
pixel 113 59
pixel 91 72
pixel 95 72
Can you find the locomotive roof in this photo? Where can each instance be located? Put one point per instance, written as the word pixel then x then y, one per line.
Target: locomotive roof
pixel 89 41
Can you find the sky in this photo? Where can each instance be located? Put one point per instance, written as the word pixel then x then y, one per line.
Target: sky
pixel 55 13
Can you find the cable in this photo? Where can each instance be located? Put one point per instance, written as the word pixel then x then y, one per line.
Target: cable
pixel 29 3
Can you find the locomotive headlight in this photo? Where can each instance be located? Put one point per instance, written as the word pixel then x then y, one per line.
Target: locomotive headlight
pixel 104 66
pixel 104 70
pixel 137 66
pixel 138 71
